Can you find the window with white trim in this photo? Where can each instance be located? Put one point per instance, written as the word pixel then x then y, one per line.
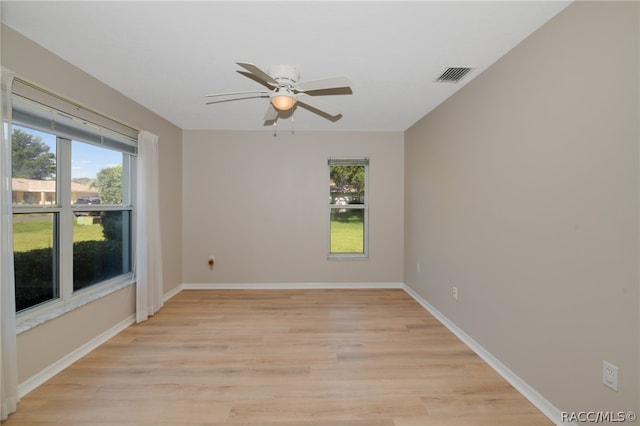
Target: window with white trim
pixel 73 190
pixel 348 208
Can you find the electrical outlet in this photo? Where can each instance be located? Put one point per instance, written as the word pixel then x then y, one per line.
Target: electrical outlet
pixel 455 293
pixel 610 375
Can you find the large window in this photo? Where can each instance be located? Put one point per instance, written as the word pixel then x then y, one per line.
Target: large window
pixel 73 188
pixel 348 208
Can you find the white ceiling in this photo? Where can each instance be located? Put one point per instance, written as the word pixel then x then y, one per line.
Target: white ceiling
pixel 168 55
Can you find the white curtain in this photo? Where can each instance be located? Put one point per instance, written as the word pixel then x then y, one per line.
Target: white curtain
pixel 8 347
pixel 149 286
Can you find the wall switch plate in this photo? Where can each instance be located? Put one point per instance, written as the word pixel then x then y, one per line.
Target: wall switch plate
pixel 455 293
pixel 610 375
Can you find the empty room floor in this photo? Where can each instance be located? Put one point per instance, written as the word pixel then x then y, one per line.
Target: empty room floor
pixel 281 357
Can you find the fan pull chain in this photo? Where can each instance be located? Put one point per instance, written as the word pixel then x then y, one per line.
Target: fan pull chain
pixel 275 128
pixel 293 126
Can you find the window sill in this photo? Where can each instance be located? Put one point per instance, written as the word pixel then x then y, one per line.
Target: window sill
pixel 347 257
pixel 29 320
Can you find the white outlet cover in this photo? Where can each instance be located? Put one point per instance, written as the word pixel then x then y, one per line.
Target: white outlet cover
pixel 610 375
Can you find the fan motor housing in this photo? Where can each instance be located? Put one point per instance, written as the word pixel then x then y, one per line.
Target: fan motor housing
pixel 284 74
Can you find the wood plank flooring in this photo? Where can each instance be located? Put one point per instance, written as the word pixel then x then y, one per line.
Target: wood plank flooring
pixel 281 358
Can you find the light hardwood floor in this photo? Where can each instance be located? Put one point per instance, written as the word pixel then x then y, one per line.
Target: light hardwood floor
pixel 281 358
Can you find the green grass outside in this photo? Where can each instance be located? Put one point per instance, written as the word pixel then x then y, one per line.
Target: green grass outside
pixel 347 237
pixel 37 233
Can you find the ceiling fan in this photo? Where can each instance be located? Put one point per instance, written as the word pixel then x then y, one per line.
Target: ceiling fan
pixel 285 90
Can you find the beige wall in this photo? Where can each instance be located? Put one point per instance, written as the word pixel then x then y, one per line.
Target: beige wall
pixel 522 191
pixel 259 203
pixel 33 63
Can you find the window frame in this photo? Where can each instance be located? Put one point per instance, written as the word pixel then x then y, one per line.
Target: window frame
pixel 353 161
pixel 68 129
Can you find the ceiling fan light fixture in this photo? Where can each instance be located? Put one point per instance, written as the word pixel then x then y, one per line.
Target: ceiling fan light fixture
pixel 286 91
pixel 283 100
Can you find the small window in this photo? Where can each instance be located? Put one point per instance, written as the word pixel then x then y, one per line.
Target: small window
pixel 348 207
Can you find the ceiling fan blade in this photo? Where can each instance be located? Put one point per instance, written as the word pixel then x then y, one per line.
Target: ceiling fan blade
pixel 253 69
pixel 325 83
pixel 237 93
pixel 219 101
pixel 321 106
pixel 272 113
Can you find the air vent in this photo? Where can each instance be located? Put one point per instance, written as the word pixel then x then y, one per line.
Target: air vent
pixel 453 75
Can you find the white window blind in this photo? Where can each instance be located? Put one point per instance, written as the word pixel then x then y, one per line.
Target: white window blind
pixel 349 161
pixel 41 110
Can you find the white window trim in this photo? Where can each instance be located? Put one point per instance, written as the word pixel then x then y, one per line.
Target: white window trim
pixel 351 256
pixel 68 299
pixel 122 134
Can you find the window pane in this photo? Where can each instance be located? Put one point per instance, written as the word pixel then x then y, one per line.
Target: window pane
pixel 96 175
pixel 348 212
pixel 101 246
pixel 347 231
pixel 35 244
pixel 347 184
pixel 33 163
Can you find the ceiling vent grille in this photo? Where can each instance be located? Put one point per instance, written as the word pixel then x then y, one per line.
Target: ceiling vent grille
pixel 453 75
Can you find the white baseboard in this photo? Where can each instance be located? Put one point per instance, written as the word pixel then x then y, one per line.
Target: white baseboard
pixel 173 292
pixel 286 286
pixel 546 407
pixel 40 378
